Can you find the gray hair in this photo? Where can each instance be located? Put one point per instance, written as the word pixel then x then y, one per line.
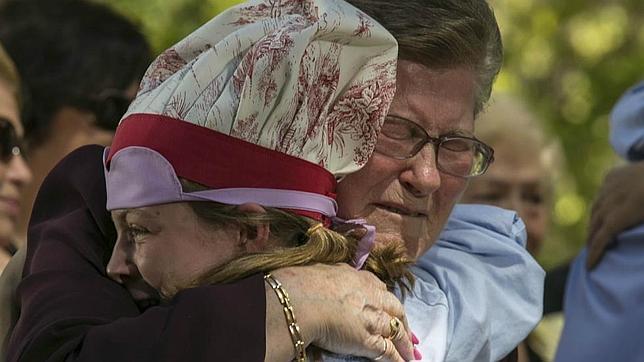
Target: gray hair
pixel 442 34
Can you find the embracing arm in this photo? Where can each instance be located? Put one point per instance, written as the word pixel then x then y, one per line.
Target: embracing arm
pixel 71 311
pixel 617 207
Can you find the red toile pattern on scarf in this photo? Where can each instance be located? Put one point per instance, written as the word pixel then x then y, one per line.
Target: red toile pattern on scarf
pixel 275 9
pixel 309 78
pixel 246 128
pixel 359 113
pixel 364 29
pixel 163 67
pixel 322 88
pixel 177 107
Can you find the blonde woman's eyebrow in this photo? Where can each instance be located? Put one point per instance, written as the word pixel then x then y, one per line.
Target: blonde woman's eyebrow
pixel 118 216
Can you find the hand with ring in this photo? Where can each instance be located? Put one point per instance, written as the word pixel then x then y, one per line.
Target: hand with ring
pixel 347 311
pixel 395 334
pixel 395 331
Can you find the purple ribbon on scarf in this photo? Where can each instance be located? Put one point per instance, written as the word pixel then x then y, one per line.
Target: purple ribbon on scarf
pixel 365 245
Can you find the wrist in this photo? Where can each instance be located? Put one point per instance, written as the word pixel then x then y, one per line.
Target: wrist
pixel 308 314
pixel 299 346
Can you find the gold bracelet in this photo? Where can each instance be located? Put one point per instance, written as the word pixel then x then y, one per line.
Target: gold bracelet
pixel 293 328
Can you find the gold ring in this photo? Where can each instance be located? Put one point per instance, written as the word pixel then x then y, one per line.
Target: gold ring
pixel 384 347
pixel 395 332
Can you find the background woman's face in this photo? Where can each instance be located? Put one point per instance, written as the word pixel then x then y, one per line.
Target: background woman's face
pixel 515 181
pixel 169 245
pixel 14 173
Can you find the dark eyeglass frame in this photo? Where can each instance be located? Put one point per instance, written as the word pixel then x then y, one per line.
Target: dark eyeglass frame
pixel 10 143
pixel 486 151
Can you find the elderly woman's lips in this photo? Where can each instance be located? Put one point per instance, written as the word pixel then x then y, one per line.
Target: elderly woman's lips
pixel 401 210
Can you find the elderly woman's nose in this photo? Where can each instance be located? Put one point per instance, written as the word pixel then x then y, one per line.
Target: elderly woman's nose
pixel 421 176
pixel 18 171
pixel 118 267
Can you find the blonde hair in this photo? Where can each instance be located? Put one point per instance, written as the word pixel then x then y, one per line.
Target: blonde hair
pixel 303 242
pixel 9 74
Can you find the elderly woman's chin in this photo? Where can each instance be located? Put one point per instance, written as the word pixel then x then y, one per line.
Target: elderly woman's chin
pixel 413 232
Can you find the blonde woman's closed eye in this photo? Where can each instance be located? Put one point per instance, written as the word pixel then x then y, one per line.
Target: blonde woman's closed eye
pixel 136 232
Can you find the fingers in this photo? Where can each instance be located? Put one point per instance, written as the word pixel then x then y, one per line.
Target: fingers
pixel 596 247
pixel 617 207
pixel 384 325
pixel 611 215
pixel 391 305
pixel 388 352
pixel 392 309
pixel 401 339
pixel 604 234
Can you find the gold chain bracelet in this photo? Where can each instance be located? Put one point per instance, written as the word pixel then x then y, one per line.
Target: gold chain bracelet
pixel 293 328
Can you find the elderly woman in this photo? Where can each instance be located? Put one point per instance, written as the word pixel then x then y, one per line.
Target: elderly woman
pixel 14 173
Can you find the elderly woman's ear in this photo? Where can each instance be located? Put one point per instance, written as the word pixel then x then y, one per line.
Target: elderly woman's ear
pixel 254 238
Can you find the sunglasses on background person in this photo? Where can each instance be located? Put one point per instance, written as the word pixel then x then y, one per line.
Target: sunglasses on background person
pixel 10 143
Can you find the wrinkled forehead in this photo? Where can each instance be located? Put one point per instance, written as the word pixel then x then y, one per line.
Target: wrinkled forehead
pixel 442 101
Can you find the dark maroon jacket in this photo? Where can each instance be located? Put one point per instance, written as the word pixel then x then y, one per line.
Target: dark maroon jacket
pixel 71 311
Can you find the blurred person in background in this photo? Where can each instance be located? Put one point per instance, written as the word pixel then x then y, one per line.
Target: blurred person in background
pixel 80 63
pixel 526 165
pixel 14 172
pixel 604 299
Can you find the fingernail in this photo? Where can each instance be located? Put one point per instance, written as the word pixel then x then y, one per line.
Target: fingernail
pixel 414 339
pixel 417 355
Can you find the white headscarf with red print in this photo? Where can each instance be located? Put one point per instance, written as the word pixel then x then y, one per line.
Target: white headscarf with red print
pixel 312 79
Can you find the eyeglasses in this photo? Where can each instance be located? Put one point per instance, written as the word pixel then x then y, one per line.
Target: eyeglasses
pixel 458 156
pixel 108 107
pixel 9 141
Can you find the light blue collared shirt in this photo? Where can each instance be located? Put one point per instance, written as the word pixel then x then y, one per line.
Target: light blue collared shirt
pixel 604 308
pixel 492 285
pixel 627 124
pixel 478 292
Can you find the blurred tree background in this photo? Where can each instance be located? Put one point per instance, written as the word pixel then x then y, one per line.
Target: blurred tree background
pixel 570 60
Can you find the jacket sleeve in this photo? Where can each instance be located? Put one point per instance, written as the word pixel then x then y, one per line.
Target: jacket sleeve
pixel 71 311
pixel 603 308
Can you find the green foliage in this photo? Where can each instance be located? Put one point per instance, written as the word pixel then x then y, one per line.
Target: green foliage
pixel 571 60
pixel 167 21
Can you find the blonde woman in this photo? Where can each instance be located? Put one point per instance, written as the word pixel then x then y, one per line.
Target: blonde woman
pixel 14 173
